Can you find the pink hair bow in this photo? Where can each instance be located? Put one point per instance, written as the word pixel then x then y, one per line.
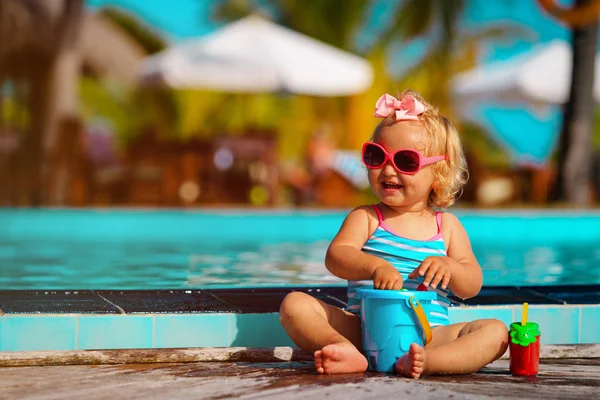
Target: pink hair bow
pixel 408 108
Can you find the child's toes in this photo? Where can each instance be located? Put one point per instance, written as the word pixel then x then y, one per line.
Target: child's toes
pixel 318 356
pixel 418 357
pixel 319 362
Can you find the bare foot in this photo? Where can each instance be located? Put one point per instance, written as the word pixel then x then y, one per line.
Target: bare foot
pixel 412 364
pixel 340 358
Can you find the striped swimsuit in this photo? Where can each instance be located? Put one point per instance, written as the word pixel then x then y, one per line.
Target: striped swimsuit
pixel 405 255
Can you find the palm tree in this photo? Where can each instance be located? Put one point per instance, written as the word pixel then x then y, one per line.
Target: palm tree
pixel 43 54
pixel 44 48
pixel 576 137
pixel 449 50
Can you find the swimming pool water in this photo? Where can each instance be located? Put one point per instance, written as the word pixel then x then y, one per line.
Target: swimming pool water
pixel 125 249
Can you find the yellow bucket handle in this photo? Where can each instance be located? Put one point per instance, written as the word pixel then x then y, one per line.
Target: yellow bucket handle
pixel 416 306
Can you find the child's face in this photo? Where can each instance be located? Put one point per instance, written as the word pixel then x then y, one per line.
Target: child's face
pixel 392 187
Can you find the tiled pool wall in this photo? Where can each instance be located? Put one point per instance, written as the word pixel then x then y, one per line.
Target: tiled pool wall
pixel 20 332
pixel 91 320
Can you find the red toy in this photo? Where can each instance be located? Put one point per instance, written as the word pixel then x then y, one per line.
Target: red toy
pixel 421 288
pixel 524 346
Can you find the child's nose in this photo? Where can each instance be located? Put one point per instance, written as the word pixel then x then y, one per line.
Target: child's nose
pixel 388 168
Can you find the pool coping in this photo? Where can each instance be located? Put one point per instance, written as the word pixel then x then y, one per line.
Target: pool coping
pixel 248 317
pixel 252 300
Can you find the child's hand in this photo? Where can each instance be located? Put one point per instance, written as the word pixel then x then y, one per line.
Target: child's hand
pixel 386 277
pixel 436 270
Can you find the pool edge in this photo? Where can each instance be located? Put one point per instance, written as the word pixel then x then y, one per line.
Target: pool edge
pixel 230 318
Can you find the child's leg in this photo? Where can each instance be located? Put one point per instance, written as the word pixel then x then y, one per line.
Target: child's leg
pixel 330 333
pixel 456 349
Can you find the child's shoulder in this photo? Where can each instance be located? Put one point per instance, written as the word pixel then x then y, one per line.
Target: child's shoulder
pixel 450 223
pixel 366 214
pixel 367 210
pixel 449 217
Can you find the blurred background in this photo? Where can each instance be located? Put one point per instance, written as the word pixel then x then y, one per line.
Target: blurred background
pixel 202 105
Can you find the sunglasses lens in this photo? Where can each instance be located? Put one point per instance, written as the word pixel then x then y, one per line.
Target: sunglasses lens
pixel 373 156
pixel 407 161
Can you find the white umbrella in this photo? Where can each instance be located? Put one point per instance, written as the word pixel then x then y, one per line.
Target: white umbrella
pixel 256 55
pixel 541 75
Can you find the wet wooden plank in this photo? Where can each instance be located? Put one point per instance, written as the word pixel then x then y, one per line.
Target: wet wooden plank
pixel 558 379
pixel 188 355
pixel 150 356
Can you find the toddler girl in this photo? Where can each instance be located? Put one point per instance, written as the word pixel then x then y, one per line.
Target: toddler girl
pixel 416 167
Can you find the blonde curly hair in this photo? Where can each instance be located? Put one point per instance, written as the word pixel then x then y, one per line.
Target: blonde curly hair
pixel 450 175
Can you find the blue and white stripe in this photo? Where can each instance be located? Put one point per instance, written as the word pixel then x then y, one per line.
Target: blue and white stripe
pixel 405 255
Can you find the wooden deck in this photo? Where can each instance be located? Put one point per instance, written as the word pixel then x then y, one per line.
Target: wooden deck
pixel 558 379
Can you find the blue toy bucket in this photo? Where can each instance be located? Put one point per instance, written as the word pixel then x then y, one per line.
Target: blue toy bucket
pixel 391 321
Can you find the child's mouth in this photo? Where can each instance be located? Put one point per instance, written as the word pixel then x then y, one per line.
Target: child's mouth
pixel 391 186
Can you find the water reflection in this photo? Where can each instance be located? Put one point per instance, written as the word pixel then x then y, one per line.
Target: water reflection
pixel 538 265
pixel 58 264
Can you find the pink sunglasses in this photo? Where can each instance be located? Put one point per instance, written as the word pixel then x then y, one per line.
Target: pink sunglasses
pixel 407 162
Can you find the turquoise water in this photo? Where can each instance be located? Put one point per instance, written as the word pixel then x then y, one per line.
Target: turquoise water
pixel 125 249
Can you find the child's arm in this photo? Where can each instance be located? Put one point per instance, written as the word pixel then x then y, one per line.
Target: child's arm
pixel 346 260
pixel 459 271
pixel 467 278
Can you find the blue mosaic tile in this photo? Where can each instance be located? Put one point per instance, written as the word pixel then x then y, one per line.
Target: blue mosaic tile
pixel 20 333
pixel 200 330
pixel 589 329
pixel 115 332
pixel 258 330
pixel 558 325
